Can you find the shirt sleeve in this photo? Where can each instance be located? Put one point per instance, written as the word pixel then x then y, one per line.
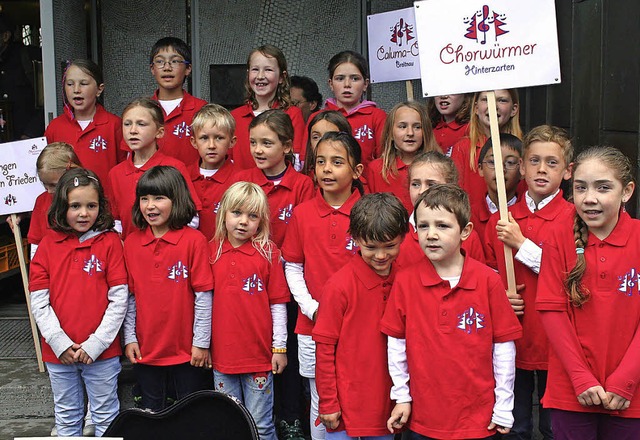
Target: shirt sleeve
pixel 504 373
pixel 279 320
pixel 398 369
pixel 624 379
pixel 393 320
pixel 201 276
pixel 530 255
pixel 298 287
pixel 326 381
pixel 277 287
pixel 202 319
pixel 48 323
pixel 111 322
pixel 129 326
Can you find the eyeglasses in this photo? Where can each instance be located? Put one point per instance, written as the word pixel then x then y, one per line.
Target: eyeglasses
pixel 509 164
pixel 161 64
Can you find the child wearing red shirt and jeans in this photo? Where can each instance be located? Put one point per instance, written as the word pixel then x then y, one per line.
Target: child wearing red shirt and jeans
pixel 354 395
pixel 450 326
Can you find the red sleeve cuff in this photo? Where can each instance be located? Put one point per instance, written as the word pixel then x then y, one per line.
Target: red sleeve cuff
pixel 398 334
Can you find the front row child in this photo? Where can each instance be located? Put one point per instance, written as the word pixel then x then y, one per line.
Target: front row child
pixel 78 285
pixel 589 305
pixel 167 329
pixel 351 353
pixel 451 328
pixel 249 337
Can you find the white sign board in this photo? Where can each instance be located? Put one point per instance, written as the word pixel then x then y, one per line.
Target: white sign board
pixel 469 46
pixel 19 183
pixel 393 46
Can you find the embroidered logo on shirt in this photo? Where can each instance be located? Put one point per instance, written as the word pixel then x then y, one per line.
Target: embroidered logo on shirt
pixel 629 282
pixel 178 272
pixel 181 130
pixel 253 284
pixel 285 213
pixel 92 265
pixel 98 144
pixel 470 321
pixel 216 207
pixel 351 245
pixel 364 132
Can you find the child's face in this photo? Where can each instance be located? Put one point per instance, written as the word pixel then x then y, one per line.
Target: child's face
pixel 81 91
pixel 156 210
pixel 510 166
pixel 212 143
pixel 49 179
pixel 333 170
pixel 319 129
pixel 407 132
pixel 448 105
pixel 380 254
pixel 264 76
pixel 422 177
pixel 439 235
pixel 83 210
pixel 348 85
pixel 241 225
pixel 139 129
pixel 168 75
pixel 544 169
pixel 598 196
pixel 268 150
pixel 297 97
pixel 505 107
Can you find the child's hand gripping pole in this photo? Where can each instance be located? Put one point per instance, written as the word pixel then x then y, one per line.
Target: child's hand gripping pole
pixel 25 285
pixel 502 191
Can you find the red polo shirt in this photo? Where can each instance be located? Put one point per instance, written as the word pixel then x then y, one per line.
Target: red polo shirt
pixel 480 215
pixel 245 285
pixel 78 276
pixel 241 153
pixel 469 179
pixel 164 274
pixel 447 134
pixel 351 353
pixel 209 191
pixel 533 348
pixel 606 324
pixel 293 189
pixel 97 146
pixel 450 335
pixel 39 224
pixel 176 141
pixel 124 178
pixel 317 237
pixel 398 185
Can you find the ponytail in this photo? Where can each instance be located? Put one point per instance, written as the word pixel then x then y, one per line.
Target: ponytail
pixel 578 293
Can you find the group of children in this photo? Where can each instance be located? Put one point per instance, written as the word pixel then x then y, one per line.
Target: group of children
pixel 401 314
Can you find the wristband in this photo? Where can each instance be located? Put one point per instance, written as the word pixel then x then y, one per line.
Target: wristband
pixel 278 350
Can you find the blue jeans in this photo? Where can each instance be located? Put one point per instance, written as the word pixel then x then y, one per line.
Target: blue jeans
pixel 255 391
pixel 68 383
pixel 342 435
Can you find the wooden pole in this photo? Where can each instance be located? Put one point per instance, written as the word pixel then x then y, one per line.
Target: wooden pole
pixel 409 85
pixel 502 191
pixel 25 284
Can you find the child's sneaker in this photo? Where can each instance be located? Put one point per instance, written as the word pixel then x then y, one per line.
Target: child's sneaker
pixel 89 430
pixel 290 431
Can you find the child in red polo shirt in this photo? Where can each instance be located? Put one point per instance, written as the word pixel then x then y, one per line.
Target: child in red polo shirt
pixel 271 140
pixel 407 133
pixel 318 125
pixel 143 125
pixel 94 133
pixel 354 395
pixel 318 243
pixel 267 88
pixel 168 325
pixel 78 285
pixel 427 169
pixel 547 155
pixel 449 116
pixel 451 328
pixel 170 61
pixel 212 128
pixel 590 307
pixel 251 293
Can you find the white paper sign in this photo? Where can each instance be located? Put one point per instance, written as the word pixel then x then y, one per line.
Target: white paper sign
pixel 469 46
pixel 393 46
pixel 19 183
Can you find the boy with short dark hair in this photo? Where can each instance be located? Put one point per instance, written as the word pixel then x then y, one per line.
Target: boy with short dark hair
pixel 451 328
pixel 351 354
pixel 170 62
pixel 547 157
pixel 212 136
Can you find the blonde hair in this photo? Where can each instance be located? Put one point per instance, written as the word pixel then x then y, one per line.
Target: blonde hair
pixel 389 150
pixel 549 133
pixel 215 114
pixel 248 196
pixel 57 156
pixel 476 134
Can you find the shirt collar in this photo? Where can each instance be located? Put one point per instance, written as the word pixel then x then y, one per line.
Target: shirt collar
pixel 620 234
pixel 325 209
pixel 247 248
pixel 172 236
pixel 367 275
pixel 531 204
pixel 493 208
pixel 429 277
